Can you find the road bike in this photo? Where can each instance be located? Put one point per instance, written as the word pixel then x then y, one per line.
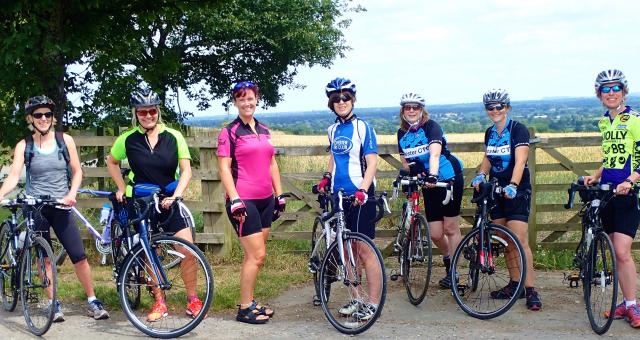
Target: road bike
pixel 26 269
pixel 486 259
pixel 352 281
pixel 413 241
pixel 595 256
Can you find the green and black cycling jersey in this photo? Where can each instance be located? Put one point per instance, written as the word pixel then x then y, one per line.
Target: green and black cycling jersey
pixel 158 165
pixel 620 145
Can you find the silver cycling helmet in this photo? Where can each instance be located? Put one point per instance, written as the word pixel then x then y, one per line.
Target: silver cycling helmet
pixel 340 85
pixel 495 96
pixel 609 77
pixel 144 97
pixel 412 98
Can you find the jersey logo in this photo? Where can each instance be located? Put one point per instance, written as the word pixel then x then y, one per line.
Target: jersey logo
pixel 498 150
pixel 416 152
pixel 624 118
pixel 341 145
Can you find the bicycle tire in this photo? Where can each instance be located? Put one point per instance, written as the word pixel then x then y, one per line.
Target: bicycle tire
pixel 119 249
pixel 317 237
pixel 416 250
pixel 9 272
pixel 166 246
pixel 346 283
pixel 602 287
pixel 466 273
pixel 59 253
pixel 38 312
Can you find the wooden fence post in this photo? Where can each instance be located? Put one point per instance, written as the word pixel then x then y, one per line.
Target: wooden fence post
pixel 100 156
pixel 533 241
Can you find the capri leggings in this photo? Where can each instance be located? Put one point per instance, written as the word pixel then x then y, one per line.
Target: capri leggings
pixel 65 228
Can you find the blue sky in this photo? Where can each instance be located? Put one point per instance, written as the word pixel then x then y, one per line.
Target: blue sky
pixel 453 51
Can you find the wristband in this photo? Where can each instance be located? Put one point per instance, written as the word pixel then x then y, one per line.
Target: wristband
pixel 513 183
pixel 629 181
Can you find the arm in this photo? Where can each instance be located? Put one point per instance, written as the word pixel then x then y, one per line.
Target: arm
pixel 485 166
pixel 14 173
pixel 275 176
pixel 113 167
pixel 76 170
pixel 405 164
pixel 224 169
pixel 522 153
pixel 183 182
pixel 370 173
pixel 435 149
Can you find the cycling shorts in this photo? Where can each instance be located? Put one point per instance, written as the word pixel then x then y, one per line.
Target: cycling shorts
pixel 259 216
pixel 621 215
pixel 433 207
pixel 166 221
pixel 515 209
pixel 360 218
pixel 63 224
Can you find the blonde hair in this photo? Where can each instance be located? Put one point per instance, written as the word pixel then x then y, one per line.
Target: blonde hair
pixel 404 126
pixel 134 117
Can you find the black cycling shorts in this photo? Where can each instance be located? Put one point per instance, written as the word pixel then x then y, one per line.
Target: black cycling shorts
pixel 360 218
pixel 516 209
pixel 63 224
pixel 167 221
pixel 621 215
pixel 259 216
pixel 433 208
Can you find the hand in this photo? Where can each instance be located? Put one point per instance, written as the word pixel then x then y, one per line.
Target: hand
pixel 623 188
pixel 510 191
pixel 278 208
pixel 479 179
pixel 69 200
pixel 416 168
pixel 589 180
pixel 324 182
pixel 361 197
pixel 168 201
pixel 431 181
pixel 120 196
pixel 238 210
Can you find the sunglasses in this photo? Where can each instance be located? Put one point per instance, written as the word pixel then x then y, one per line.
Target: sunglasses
pixel 39 115
pixel 341 98
pixel 614 88
pixel 412 107
pixel 243 84
pixel 492 107
pixel 144 113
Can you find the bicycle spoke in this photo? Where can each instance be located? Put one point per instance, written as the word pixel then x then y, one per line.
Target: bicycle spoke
pixel 38 279
pixel 601 284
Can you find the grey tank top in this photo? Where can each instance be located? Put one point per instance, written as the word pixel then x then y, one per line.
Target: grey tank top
pixel 48 173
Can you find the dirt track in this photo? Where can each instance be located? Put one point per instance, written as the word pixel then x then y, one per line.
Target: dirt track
pixel 563 317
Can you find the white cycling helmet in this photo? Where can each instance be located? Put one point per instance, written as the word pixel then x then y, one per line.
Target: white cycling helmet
pixel 496 96
pixel 609 77
pixel 412 98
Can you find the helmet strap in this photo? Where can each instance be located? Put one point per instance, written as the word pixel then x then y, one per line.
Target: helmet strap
pixel 42 133
pixel 350 116
pixel 413 126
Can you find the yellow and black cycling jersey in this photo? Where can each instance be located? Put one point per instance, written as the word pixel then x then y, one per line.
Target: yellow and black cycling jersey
pixel 620 145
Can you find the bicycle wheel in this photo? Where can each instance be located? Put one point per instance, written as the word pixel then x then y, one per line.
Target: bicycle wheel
pixel 193 268
pixel 8 269
pixel 358 288
pixel 319 243
pixel 36 288
pixel 119 249
pixel 416 250
pixel 602 283
pixel 480 271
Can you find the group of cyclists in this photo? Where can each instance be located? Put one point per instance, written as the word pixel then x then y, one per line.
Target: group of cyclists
pixel 249 173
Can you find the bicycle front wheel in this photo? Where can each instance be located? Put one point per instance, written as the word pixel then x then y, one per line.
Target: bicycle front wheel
pixel 480 271
pixel 8 269
pixel 601 283
pixel 192 277
pixel 358 286
pixel 319 245
pixel 417 258
pixel 38 284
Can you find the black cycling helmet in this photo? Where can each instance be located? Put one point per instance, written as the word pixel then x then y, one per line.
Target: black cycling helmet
pixel 144 97
pixel 37 102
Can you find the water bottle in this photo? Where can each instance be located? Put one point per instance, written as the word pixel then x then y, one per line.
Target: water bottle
pixel 23 235
pixel 104 214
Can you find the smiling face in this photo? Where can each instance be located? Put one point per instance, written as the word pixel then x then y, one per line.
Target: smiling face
pixel 147 116
pixel 412 113
pixel 614 96
pixel 497 112
pixel 246 104
pixel 342 104
pixel 42 118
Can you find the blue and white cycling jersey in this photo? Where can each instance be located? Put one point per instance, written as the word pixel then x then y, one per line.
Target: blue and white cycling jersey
pixel 501 148
pixel 414 147
pixel 350 142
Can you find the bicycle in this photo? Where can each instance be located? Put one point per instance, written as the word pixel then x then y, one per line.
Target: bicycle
pixel 413 241
pixel 595 256
pixel 352 292
pixel 486 259
pixel 25 264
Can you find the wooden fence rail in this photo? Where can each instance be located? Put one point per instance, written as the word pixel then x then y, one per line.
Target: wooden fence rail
pixel 549 222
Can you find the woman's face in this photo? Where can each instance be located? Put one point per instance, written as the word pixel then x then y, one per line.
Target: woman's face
pixel 614 96
pixel 412 113
pixel 497 112
pixel 246 104
pixel 342 104
pixel 42 118
pixel 147 116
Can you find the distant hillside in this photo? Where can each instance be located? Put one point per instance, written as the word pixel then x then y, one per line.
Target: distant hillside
pixel 547 115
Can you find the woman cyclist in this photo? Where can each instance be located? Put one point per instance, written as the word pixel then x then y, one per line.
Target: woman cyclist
pixel 352 167
pixel 48 175
pixel 507 150
pixel 157 155
pixel 423 151
pixel 250 175
pixel 620 129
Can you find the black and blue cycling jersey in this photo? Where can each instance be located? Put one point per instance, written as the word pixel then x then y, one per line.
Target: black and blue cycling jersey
pixel 501 148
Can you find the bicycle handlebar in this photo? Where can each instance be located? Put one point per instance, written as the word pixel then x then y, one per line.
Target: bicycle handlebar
pixel 22 200
pixel 579 186
pixel 404 179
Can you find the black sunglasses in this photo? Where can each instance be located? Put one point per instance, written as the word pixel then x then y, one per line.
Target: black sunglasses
pixel 492 107
pixel 341 98
pixel 39 115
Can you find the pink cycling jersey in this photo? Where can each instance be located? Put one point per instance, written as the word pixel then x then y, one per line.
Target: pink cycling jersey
pixel 251 155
